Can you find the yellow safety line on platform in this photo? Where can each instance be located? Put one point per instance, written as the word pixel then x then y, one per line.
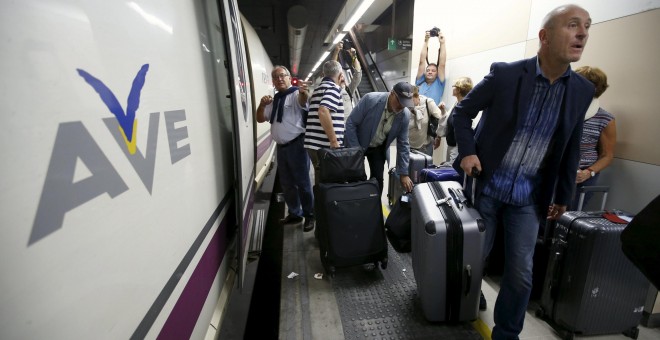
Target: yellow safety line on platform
pixel 482 328
pixel 478 324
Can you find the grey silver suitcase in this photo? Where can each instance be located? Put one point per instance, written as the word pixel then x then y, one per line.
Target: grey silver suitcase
pixel 447 242
pixel 590 286
pixel 394 188
pixel 417 161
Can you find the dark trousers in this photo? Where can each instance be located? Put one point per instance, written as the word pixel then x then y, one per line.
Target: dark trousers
pixel 293 169
pixel 376 157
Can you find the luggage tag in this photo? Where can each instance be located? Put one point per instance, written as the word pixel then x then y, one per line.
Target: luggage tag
pixel 405 198
pixel 612 217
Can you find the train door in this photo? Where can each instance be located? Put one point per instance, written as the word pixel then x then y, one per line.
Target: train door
pixel 243 123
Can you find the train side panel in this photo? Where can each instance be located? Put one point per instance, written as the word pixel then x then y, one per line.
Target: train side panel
pixel 262 84
pixel 118 207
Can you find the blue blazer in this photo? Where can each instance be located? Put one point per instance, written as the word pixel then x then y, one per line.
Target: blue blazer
pixel 363 122
pixel 504 95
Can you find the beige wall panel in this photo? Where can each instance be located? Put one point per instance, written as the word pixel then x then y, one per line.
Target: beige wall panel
pixel 625 51
pixel 470 26
pixel 477 65
pixel 599 10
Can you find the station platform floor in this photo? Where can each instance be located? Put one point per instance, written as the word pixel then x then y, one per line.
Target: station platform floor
pixel 372 303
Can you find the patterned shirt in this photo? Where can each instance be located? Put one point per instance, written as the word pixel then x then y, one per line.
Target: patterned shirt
pixel 384 127
pixel 590 136
pixel 328 95
pixel 516 179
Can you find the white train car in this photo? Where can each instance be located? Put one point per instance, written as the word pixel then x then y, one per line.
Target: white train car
pixel 129 163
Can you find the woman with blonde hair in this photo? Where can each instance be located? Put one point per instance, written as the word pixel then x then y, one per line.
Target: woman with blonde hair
pixel 598 134
pixel 460 89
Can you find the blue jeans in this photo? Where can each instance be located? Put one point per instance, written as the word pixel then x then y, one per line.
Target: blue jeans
pixel 521 225
pixel 293 169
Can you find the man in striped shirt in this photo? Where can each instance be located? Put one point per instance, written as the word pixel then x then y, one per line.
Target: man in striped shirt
pixel 325 122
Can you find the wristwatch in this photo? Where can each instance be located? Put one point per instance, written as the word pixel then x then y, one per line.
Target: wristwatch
pixel 591 172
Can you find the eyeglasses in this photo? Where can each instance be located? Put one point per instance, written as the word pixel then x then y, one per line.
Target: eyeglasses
pixel 280 76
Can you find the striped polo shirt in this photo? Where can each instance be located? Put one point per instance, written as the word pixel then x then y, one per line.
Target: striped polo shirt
pixel 327 94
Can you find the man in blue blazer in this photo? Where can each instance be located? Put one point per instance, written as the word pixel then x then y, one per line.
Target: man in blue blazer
pixel 375 121
pixel 526 149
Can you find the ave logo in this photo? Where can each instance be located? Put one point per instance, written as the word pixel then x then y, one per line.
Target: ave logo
pixel 73 142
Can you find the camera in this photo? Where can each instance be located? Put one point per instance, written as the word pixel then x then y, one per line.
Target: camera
pixel 346 44
pixel 434 32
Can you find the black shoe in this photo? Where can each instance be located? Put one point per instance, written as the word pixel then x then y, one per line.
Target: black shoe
pixel 309 224
pixel 482 302
pixel 291 219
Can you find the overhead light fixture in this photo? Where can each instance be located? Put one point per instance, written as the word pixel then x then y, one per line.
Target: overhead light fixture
pixel 361 9
pixel 318 63
pixel 338 38
pixel 364 6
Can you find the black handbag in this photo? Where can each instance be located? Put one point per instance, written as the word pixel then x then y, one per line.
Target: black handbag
pixel 397 226
pixel 341 165
pixel 433 122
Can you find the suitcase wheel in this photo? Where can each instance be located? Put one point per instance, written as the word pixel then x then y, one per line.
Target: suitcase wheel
pixel 383 263
pixel 567 335
pixel 540 313
pixel 331 271
pixel 632 333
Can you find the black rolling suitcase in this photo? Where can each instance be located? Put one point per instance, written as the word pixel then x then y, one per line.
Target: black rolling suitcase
pixel 590 286
pixel 350 224
pixel 447 242
pixel 495 260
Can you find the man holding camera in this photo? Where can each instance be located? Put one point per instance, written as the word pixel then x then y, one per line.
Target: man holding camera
pixel 353 64
pixel 431 78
